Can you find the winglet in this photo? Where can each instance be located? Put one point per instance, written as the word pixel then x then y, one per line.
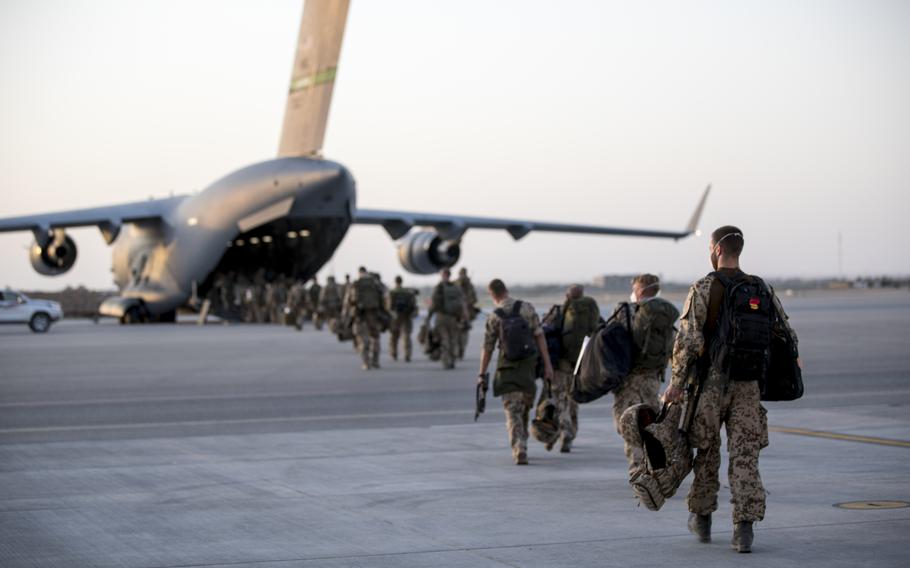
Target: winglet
pixel 692 227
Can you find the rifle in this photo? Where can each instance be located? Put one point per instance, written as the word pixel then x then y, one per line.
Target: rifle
pixel 480 396
pixel 693 393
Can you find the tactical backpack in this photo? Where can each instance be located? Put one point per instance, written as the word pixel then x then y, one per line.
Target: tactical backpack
pixel 515 339
pixel 662 451
pixel 403 302
pixel 784 379
pixel 432 346
pixel 652 328
pixel 580 317
pixel 367 294
pixel 741 346
pixel 552 334
pixel 606 361
pixel 452 300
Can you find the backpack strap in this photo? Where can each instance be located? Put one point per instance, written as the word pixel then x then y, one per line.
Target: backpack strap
pixel 516 308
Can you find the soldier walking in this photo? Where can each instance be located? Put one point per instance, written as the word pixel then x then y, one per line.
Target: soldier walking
pixel 402 304
pixel 515 328
pixel 653 333
pixel 313 294
pixel 580 316
pixel 449 309
pixel 330 303
pixel 729 394
pixel 365 303
pixel 470 300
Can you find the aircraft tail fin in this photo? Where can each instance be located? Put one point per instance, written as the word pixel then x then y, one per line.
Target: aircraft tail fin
pixel 692 227
pixel 313 77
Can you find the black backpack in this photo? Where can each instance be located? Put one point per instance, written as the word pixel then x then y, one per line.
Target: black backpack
pixel 741 346
pixel 552 333
pixel 607 359
pixel 515 338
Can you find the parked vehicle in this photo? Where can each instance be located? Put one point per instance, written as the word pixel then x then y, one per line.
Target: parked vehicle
pixel 16 307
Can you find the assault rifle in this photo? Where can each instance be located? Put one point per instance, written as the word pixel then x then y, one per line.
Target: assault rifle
pixel 693 393
pixel 480 395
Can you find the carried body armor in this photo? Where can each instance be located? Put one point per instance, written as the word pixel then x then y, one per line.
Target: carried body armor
pixel 665 458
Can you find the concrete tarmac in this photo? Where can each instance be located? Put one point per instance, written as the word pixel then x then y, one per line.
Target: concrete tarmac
pixel 176 445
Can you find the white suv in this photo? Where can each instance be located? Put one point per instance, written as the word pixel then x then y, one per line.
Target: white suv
pixel 16 307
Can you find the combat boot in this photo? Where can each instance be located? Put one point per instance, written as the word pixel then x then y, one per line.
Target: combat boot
pixel 742 537
pixel 521 458
pixel 700 526
pixel 566 446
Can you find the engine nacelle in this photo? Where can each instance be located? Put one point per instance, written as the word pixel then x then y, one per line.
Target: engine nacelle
pixel 54 258
pixel 425 252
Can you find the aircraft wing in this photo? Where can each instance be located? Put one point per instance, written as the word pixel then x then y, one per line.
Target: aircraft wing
pixel 398 223
pixel 108 219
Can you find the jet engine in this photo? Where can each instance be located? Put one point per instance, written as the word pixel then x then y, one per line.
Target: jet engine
pixel 425 252
pixel 54 258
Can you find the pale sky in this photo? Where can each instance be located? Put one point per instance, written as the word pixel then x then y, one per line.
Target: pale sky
pixel 615 113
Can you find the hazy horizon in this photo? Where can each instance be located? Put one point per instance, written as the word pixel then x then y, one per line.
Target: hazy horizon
pixel 590 112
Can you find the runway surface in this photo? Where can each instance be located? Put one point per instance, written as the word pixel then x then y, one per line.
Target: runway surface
pixel 179 445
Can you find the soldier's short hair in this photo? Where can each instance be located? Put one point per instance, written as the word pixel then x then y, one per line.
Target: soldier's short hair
pixel 362 269
pixel 648 281
pixel 498 288
pixel 575 291
pixel 730 239
pixel 446 273
pixel 398 280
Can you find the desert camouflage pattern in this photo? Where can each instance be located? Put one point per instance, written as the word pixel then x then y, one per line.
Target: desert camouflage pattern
pixel 517 406
pixel 447 329
pixel 735 404
pixel 366 330
pixel 400 330
pixel 640 387
pixel 723 401
pixel 566 407
pixel 653 485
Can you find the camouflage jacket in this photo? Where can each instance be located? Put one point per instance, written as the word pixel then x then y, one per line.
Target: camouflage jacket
pixel 690 341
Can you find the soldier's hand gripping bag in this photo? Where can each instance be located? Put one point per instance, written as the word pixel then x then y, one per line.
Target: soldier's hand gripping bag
pixel 665 458
pixel 784 379
pixel 606 360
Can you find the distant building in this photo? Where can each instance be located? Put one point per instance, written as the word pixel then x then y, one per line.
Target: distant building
pixel 614 282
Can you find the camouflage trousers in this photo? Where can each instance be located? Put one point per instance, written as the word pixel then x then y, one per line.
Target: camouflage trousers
pixel 463 335
pixel 736 404
pixel 566 407
pixel 366 334
pixel 401 329
pixel 517 406
pixel 447 329
pixel 640 387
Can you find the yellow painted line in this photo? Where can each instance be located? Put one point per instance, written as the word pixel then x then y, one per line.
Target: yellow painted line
pixel 844 437
pixel 872 505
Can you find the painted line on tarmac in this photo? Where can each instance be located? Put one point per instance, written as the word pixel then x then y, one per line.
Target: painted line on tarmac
pixel 276 420
pixel 843 437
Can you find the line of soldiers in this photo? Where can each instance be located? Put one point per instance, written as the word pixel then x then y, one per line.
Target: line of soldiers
pixel 280 301
pixel 727 399
pixel 369 309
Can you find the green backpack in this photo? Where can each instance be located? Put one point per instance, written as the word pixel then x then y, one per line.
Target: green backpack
pixel 452 300
pixel 653 333
pixel 367 294
pixel 580 319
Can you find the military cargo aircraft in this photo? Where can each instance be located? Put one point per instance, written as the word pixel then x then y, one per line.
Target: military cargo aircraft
pixel 285 217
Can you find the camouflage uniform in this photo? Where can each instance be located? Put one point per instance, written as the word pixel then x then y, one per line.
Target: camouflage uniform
pixel 448 325
pixel 470 300
pixel 367 326
pixel 313 302
pixel 642 386
pixel 402 324
pixel 514 380
pixel 736 404
pixel 330 304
